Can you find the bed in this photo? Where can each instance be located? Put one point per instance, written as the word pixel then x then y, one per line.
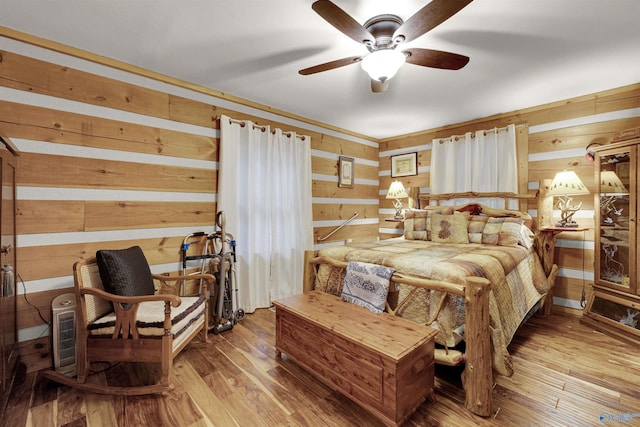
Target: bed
pixel 473 273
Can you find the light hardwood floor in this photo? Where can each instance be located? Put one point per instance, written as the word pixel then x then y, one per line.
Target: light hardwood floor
pixel 566 374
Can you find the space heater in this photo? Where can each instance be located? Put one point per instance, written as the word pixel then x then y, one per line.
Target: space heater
pixel 63 320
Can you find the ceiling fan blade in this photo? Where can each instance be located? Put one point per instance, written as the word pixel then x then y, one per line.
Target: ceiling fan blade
pixel 330 65
pixel 435 58
pixel 378 86
pixel 342 21
pixel 429 17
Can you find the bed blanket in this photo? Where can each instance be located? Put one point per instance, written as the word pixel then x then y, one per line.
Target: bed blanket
pixel 517 277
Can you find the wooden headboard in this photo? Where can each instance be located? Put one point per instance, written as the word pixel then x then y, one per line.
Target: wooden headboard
pixel 478 208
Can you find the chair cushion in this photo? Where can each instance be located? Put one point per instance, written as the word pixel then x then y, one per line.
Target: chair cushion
pixel 125 272
pixel 150 318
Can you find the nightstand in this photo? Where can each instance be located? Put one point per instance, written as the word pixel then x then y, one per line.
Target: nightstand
pixel 547 242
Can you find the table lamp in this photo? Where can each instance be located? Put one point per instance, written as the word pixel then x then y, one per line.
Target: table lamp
pixel 565 184
pixel 397 192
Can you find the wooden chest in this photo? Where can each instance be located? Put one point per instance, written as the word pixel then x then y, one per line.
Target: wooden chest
pixel 383 363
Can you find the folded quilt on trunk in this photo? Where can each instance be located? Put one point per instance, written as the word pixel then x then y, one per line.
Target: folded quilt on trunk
pixel 367 285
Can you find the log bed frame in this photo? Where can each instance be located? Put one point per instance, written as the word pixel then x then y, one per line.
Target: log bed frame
pixel 477 377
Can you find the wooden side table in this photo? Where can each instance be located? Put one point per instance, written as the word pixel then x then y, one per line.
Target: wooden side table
pixel 547 241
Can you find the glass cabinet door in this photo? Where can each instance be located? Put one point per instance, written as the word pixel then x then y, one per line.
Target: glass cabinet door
pixel 616 240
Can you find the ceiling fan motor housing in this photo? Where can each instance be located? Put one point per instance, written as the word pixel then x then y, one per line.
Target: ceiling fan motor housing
pixel 382 27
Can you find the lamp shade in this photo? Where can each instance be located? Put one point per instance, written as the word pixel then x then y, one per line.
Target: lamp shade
pixel 567 183
pixel 396 191
pixel 381 65
pixel 611 184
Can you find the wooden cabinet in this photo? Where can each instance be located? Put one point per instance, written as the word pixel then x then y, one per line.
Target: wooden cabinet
pixel 614 304
pixel 8 327
pixel 383 363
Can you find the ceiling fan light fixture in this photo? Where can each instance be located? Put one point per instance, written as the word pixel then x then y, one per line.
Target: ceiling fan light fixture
pixel 383 64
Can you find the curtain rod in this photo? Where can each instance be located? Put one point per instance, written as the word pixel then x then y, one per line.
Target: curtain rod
pixel 243 123
pixel 473 134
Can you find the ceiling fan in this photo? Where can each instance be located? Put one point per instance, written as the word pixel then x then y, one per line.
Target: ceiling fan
pixel 382 34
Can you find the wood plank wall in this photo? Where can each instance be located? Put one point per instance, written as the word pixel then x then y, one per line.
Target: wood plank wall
pixel 557 135
pixel 111 159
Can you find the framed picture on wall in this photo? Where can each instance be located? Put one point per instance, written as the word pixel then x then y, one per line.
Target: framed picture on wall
pixel 346 171
pixel 404 165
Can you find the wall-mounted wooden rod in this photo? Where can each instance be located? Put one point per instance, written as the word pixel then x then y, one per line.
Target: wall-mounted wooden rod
pixel 322 239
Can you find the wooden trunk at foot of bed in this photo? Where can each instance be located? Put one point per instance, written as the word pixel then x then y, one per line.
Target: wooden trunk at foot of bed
pixel 477 377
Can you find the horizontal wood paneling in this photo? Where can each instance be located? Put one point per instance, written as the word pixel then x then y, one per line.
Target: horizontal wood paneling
pixel 32 75
pixel 331 189
pixel 420 180
pixel 578 137
pixel 125 215
pixel 41 262
pixel 44 124
pixel 60 216
pixel 333 144
pixel 51 216
pixel 325 212
pixel 44 170
pixel 193 112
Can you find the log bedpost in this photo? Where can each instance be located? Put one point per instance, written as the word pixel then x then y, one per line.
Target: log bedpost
pixel 308 275
pixel 477 377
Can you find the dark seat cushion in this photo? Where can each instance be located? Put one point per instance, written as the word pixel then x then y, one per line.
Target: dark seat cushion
pixel 125 271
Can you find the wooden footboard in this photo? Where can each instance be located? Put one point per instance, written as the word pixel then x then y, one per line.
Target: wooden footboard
pixel 478 375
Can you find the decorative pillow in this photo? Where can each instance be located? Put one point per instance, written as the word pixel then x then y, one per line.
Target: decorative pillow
pixel 329 279
pixel 502 231
pixel 476 227
pixel 367 285
pixel 125 272
pixel 526 237
pixel 449 228
pixel 417 222
pixel 415 225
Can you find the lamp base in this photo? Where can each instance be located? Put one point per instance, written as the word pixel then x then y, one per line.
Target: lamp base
pixel 397 204
pixel 567 224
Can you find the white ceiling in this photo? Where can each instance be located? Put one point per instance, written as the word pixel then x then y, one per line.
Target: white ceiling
pixel 523 53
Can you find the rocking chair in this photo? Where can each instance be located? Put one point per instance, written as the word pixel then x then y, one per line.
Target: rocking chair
pixel 130 327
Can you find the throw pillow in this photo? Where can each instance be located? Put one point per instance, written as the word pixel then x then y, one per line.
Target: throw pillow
pixel 476 227
pixel 415 225
pixel 502 231
pixel 125 272
pixel 417 222
pixel 449 228
pixel 367 285
pixel 526 237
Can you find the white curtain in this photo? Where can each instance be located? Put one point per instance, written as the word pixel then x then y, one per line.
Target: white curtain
pixel 264 188
pixel 482 161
